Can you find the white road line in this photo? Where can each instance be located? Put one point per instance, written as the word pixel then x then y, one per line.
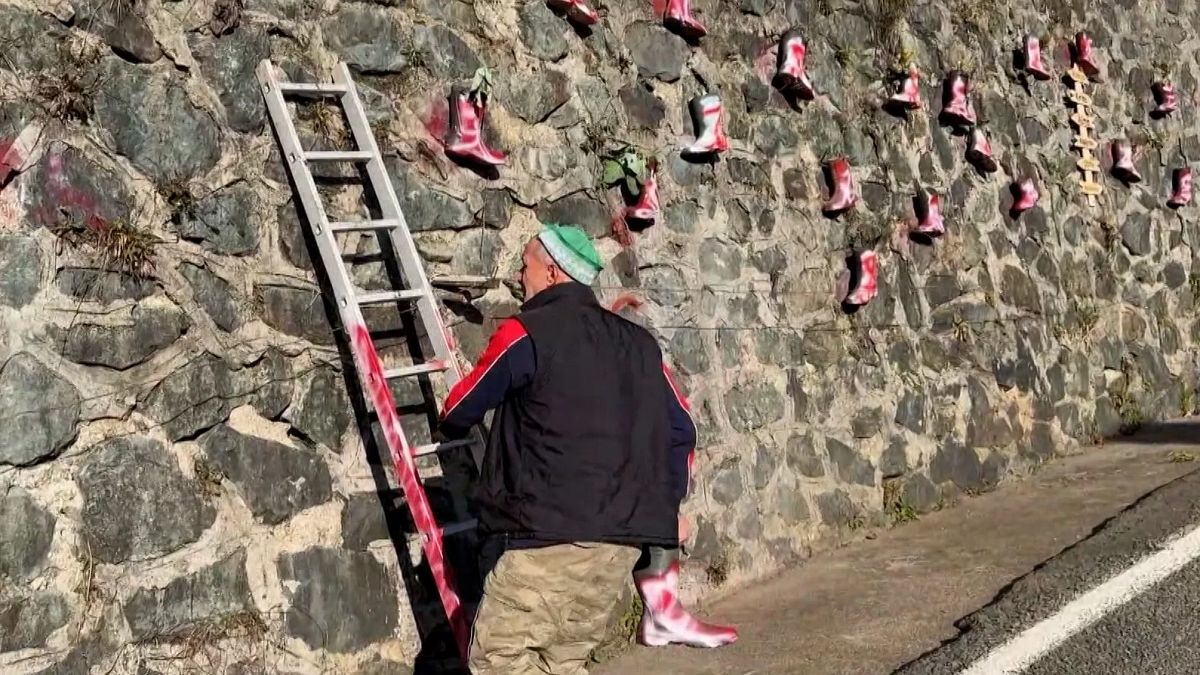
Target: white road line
pixel 1023 650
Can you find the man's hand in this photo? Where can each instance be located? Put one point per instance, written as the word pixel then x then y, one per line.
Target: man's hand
pixel 685 529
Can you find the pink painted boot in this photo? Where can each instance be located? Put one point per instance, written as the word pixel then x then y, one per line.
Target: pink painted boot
pixel 1182 183
pixel 706 114
pixel 678 19
pixel 1033 59
pixel 646 208
pixel 1123 168
pixel 957 109
pixel 576 11
pixel 1166 98
pixel 908 98
pixel 928 208
pixel 790 76
pixel 664 620
pixel 1085 56
pixel 464 133
pixel 843 192
pixel 979 152
pixel 864 278
pixel 1025 196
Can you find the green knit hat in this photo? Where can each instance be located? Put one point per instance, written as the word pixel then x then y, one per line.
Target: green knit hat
pixel 572 250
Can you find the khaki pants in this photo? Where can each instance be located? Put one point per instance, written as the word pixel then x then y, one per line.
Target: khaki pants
pixel 545 609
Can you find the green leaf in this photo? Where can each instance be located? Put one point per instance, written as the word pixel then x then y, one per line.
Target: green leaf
pixel 613 172
pixel 636 166
pixel 633 186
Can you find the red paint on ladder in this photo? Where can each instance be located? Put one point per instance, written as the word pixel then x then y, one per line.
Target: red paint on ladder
pixel 406 472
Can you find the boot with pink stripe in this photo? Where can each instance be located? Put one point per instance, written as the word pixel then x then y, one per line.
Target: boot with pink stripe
pixel 957 109
pixel 1166 99
pixel 678 19
pixel 577 11
pixel 1123 168
pixel 1181 181
pixel 1085 56
pixel 979 152
pixel 843 192
pixel 1033 59
pixel 664 620
pixel 864 278
pixel 908 98
pixel 645 210
pixel 928 208
pixel 1025 196
pixel 707 112
pixel 791 79
pixel 464 133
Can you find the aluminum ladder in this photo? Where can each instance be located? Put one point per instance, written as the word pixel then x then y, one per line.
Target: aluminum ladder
pixel 350 301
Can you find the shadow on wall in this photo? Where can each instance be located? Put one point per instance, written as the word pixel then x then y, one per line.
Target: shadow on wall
pixel 1165 433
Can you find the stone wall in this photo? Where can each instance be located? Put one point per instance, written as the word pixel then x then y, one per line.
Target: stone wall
pixel 182 484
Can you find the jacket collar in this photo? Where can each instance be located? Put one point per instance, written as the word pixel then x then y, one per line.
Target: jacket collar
pixel 569 292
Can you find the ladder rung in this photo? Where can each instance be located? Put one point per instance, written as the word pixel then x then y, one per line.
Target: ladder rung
pixel 429 449
pixel 312 89
pixel 378 297
pixel 337 156
pixel 362 225
pixel 409 371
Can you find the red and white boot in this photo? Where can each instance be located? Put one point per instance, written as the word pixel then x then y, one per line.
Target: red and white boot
pixel 928 208
pixel 1033 59
pixel 1166 99
pixel 1025 196
pixel 909 96
pixel 864 278
pixel 957 109
pixel 576 11
pixel 1123 168
pixel 1181 181
pixel 664 620
pixel 645 209
pixel 979 152
pixel 843 192
pixel 464 133
pixel 707 113
pixel 790 76
pixel 1085 56
pixel 16 154
pixel 678 19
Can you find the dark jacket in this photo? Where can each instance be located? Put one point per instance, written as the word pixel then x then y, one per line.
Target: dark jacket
pixel 590 440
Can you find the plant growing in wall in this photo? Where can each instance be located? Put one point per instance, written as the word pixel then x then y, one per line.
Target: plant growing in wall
pixel 634 173
pixel 120 245
pixel 628 168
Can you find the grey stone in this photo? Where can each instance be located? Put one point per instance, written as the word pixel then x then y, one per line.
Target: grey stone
pixel 445 54
pixel 192 398
pixel 942 288
pixel 68 188
pixel 644 109
pixel 478 253
pixel 426 209
pixel 689 351
pixel 534 98
pixel 213 294
pixel 136 503
pixel 720 261
pixel 1019 290
pixel 275 481
pixel 750 173
pixel 753 406
pixel 497 209
pixel 792 505
pixel 543 32
pixel 836 508
pixel 765 466
pixel 323 412
pixel 20 270
pixel 756 93
pixel 367 39
pixel 206 596
pixel 26 622
pixel 823 345
pixel 41 411
pixel 665 286
pixel 26 531
pixel 577 208
pixel 657 53
pixel 122 346
pixel 143 114
pixel 802 456
pixel 363 521
pixel 774 134
pixel 229 64
pixel 1135 234
pixel 1041 441
pixel 1174 275
pixel 343 601
pixel 38 38
pixel 920 493
pixel 894 460
pixel 727 485
pixel 994 468
pixel 295 311
pixel 986 425
pixel 266 385
pixel 910 411
pixel 103 286
pixel 958 463
pixel 848 465
pixel 866 423
pixel 226 222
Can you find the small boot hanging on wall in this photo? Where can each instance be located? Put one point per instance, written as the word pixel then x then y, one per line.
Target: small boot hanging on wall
pixel 678 19
pixel 1181 181
pixel 928 208
pixel 1085 56
pixel 864 278
pixel 664 620
pixel 464 133
pixel 577 11
pixel 790 78
pixel 843 192
pixel 1123 168
pixel 957 109
pixel 908 96
pixel 645 211
pixel 1167 101
pixel 979 151
pixel 1033 63
pixel 1025 196
pixel 706 112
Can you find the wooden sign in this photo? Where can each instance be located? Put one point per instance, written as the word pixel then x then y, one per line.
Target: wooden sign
pixel 1085 140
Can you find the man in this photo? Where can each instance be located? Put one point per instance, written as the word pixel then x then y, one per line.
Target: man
pixel 577 475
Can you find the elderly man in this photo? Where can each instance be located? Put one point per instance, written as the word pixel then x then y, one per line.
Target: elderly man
pixel 577 476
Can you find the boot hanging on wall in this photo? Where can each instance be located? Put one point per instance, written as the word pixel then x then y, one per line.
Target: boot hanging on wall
pixel 678 19
pixel 707 112
pixel 1166 99
pixel 1181 180
pixel 908 96
pixel 928 208
pixel 464 133
pixel 979 151
pixel 843 193
pixel 664 620
pixel 1025 196
pixel 864 275
pixel 957 109
pixel 577 11
pixel 1123 168
pixel 645 210
pixel 790 78
pixel 1033 59
pixel 1084 55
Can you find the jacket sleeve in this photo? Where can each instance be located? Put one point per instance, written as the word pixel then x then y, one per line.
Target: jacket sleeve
pixel 507 364
pixel 682 441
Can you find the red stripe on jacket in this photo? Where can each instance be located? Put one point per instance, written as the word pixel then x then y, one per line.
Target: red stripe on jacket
pixel 507 334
